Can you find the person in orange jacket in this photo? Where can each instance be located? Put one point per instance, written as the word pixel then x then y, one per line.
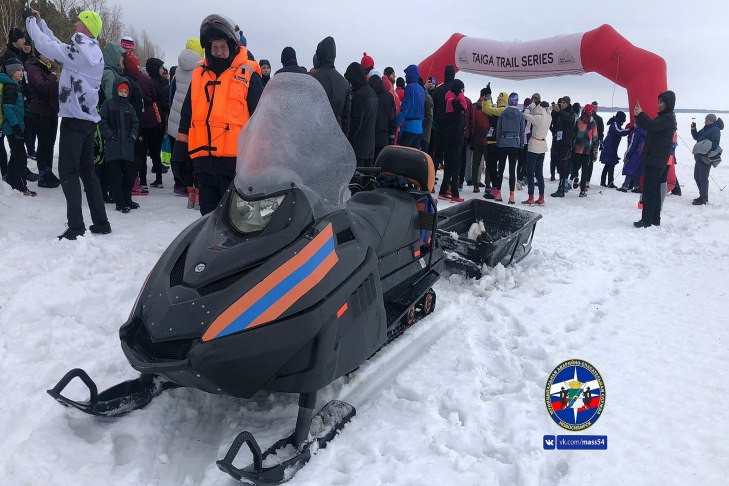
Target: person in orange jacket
pixel 223 95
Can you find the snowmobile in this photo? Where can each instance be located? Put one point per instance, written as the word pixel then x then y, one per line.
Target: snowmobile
pixel 289 284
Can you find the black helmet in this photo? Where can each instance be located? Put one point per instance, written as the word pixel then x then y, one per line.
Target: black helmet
pixel 216 25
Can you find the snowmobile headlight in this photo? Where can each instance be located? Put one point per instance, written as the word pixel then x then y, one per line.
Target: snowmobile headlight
pixel 253 216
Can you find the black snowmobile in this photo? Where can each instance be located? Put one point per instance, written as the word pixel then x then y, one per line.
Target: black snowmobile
pixel 289 284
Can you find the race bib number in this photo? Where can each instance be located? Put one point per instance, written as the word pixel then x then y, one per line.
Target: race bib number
pixel 491 132
pixel 559 135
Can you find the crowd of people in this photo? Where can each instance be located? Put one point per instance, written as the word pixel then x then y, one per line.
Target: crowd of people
pixel 114 114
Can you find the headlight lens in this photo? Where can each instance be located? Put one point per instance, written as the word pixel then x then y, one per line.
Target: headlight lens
pixel 253 216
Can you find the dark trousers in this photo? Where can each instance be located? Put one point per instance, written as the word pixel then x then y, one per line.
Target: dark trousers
pixel 46 129
pixel 30 132
pixel 492 162
pixel 584 162
pixel 409 139
pixel 439 147
pixel 425 146
pixel 553 160
pixel 122 174
pixel 452 161
pixel 365 162
pixel 652 195
pixel 563 162
pixel 521 164
pixel 176 173
pixel 512 154
pixel 212 188
pixel 535 168
pixel 17 165
pixel 152 139
pixel 102 173
pixel 701 176
pixel 3 156
pixel 76 161
pixel 608 174
pixel 479 152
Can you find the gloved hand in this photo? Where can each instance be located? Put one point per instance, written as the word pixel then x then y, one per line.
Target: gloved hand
pixel 488 90
pixel 28 13
pixel 180 153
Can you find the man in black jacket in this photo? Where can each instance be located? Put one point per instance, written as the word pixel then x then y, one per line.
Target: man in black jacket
pixel 563 128
pixel 386 123
pixel 656 150
pixel 363 116
pixel 290 64
pixel 334 84
pixel 439 111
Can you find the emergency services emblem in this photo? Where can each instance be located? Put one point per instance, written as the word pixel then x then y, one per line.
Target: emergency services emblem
pixel 575 395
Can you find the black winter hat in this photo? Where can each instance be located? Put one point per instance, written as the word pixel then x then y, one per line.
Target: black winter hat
pixel 457 86
pixel 288 56
pixel 264 62
pixel 15 34
pixel 620 116
pixel 450 72
pixel 669 98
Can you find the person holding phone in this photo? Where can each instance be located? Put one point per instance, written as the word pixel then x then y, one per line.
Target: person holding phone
pixel 656 150
pixel 711 131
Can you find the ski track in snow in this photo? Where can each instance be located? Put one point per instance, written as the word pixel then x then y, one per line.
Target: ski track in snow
pixel 457 399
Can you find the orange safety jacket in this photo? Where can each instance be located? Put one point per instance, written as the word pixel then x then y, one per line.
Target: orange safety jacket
pixel 219 107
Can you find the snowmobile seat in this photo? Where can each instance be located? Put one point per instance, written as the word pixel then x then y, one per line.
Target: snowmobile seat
pixel 413 164
pixel 391 213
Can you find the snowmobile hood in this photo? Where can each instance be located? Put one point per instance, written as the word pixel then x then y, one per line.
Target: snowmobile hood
pixel 293 140
pixel 719 123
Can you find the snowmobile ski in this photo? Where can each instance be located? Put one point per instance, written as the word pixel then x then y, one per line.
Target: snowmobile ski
pixel 283 459
pixel 118 400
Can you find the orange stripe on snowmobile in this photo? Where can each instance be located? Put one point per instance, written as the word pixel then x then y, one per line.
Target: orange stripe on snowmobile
pixel 266 285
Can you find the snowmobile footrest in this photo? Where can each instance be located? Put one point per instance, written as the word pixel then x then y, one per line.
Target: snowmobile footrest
pixel 285 456
pixel 117 400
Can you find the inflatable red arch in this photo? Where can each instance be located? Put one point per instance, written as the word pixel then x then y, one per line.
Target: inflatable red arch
pixel 602 50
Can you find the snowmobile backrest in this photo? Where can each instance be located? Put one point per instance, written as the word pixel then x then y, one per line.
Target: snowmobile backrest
pixel 411 163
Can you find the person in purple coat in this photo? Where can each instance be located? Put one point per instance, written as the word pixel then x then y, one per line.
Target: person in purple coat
pixel 43 85
pixel 633 169
pixel 609 155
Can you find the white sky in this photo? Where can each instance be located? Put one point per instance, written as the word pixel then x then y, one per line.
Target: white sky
pixel 692 36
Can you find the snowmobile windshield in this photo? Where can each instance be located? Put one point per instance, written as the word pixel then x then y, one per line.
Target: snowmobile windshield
pixel 293 141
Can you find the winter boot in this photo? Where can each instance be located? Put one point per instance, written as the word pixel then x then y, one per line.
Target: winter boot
pixel 560 190
pixel 101 228
pixel 540 201
pixel 497 196
pixel 511 198
pixel 490 194
pixel 197 199
pixel 190 197
pixel 530 201
pixel 583 193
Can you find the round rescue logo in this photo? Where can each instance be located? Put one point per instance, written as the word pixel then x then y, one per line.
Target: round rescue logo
pixel 575 395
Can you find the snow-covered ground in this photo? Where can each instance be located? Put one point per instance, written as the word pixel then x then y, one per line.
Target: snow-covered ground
pixel 458 399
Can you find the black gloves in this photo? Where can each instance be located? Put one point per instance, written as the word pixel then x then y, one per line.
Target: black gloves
pixel 27 13
pixel 180 152
pixel 488 90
